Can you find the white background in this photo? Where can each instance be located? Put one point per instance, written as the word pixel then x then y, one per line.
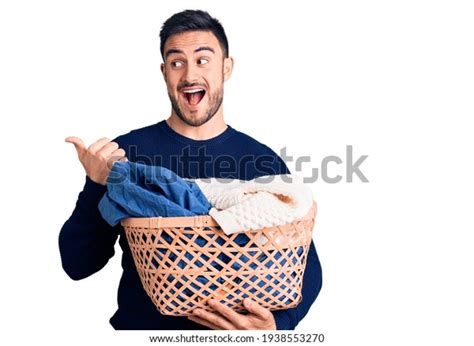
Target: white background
pixel 395 79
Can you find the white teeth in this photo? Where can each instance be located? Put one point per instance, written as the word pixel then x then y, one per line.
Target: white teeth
pixel 192 91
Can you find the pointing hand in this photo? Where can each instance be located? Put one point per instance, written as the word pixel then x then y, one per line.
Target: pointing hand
pixel 98 159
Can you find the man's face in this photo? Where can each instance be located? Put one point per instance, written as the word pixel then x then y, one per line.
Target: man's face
pixel 194 69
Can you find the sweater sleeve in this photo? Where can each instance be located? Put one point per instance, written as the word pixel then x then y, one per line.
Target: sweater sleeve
pixel 86 241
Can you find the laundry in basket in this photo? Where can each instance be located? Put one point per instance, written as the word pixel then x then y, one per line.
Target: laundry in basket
pixel 195 266
pixel 184 261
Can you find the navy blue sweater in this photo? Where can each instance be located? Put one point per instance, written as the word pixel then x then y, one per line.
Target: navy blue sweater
pixel 86 241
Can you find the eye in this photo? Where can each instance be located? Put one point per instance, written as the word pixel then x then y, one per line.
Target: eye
pixel 177 63
pixel 202 61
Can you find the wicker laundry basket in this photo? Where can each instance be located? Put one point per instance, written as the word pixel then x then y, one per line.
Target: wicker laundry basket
pixel 185 261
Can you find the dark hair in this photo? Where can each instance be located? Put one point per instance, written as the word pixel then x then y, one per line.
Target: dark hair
pixel 193 20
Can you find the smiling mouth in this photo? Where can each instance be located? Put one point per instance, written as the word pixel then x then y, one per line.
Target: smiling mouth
pixel 194 96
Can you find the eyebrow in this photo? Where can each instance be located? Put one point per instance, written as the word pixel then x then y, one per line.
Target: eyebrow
pixel 179 51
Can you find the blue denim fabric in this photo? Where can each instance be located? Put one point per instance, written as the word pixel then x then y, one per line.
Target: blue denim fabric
pixel 138 190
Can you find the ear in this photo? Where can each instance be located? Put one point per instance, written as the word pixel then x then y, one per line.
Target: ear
pixel 163 70
pixel 228 67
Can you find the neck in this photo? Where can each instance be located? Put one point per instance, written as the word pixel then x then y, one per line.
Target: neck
pixel 210 129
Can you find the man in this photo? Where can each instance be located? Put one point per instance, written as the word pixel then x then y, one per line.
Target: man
pixel 195 142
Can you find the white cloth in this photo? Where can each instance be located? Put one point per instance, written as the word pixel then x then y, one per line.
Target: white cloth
pixel 240 205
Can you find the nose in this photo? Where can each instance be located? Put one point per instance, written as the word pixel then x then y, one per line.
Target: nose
pixel 191 74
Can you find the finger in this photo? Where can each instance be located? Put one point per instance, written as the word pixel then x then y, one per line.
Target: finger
pixel 117 155
pixel 203 322
pixel 233 316
pixel 213 318
pixel 107 149
pixel 78 143
pixel 96 146
pixel 256 309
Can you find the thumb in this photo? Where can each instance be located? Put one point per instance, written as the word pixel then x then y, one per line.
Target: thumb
pixel 78 143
